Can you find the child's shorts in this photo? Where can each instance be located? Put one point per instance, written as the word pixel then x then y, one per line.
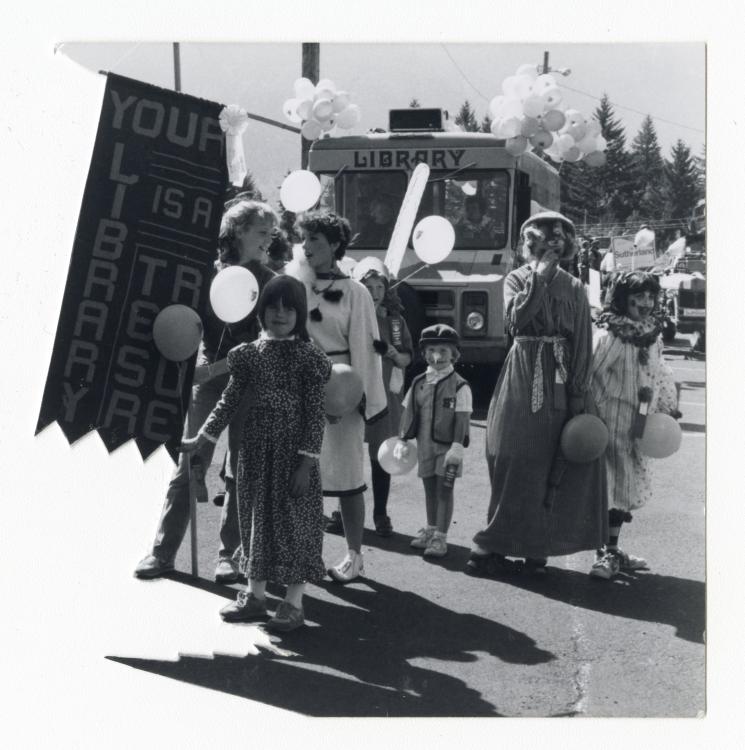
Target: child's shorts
pixel 433 464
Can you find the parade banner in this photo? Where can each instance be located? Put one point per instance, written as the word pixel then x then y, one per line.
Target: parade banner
pixel 145 239
pixel 628 257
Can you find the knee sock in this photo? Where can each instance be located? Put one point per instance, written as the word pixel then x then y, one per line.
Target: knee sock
pixel 615 521
pixel 381 485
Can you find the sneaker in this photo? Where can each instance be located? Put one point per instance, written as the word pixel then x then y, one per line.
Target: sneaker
pixel 245 608
pixel 631 562
pixel 335 525
pixel 152 567
pixel 490 565
pixel 286 618
pixel 605 566
pixel 383 526
pixel 437 547
pixel 349 568
pixel 227 570
pixel 423 538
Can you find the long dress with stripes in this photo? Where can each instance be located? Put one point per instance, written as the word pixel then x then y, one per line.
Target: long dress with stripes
pixel 617 374
pixel 542 505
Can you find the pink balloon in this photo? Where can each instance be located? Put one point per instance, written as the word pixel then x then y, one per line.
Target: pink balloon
pixel 517 145
pixel 530 125
pixel 553 120
pixel 584 438
pixel 595 159
pixel 542 139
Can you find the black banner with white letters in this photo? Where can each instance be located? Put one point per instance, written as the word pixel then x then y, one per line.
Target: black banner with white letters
pixel 146 238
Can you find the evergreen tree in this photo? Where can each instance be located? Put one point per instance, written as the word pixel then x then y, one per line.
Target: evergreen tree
pixel 466 118
pixel 414 103
pixel 648 170
pixel 700 162
pixel 682 182
pixel 486 124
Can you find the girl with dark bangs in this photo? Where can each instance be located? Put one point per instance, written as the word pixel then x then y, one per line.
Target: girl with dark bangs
pixel 279 482
pixel 629 377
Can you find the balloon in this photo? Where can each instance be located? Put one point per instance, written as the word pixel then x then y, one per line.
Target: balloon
pixel 433 239
pixel 469 188
pixel 348 117
pixel 541 139
pixel 341 101
pixel 594 159
pixel 593 128
pixel 304 108
pixel 177 331
pixel 572 154
pixel 588 144
pixel 326 84
pixel 323 109
pixel 289 108
pixel 304 88
pixel 578 131
pixel 495 106
pixel 564 142
pixel 509 127
pixel 300 190
pixel 553 120
pixel 584 438
pixel 543 82
pixel 528 69
pixel 327 125
pixel 552 97
pixel 509 86
pixel 517 145
pixel 323 94
pixel 662 436
pixel 529 126
pixel 512 108
pixel 311 130
pixel 233 293
pixel 496 124
pixel 390 464
pixel 344 391
pixel 523 86
pixel 601 143
pixel 533 106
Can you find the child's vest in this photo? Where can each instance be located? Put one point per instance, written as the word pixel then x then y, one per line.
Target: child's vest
pixel 443 410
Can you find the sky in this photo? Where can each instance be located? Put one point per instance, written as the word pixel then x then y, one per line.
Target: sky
pixel 665 80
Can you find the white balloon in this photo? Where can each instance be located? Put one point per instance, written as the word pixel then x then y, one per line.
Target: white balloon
pixel 433 239
pixel 578 131
pixel 593 128
pixel 574 117
pixel 602 144
pixel 551 97
pixel 300 190
pixel 233 293
pixel 311 130
pixel 543 82
pixel 523 86
pixel 289 109
pixel 533 106
pixel 528 69
pixel 323 109
pixel 512 108
pixel 323 94
pixel 496 124
pixel 564 142
pixel 496 105
pixel 517 145
pixel 326 84
pixel 509 87
pixel 328 125
pixel 469 188
pixel 349 117
pixel 305 108
pixel 588 144
pixel 509 127
pixel 304 88
pixel 341 101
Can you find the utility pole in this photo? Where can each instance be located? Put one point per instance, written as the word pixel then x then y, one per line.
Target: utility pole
pixel 311 70
pixel 176 66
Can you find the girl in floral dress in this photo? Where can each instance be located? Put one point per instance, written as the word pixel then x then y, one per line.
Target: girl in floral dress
pixel 629 377
pixel 279 484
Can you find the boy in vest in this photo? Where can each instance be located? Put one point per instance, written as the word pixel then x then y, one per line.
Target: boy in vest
pixel 437 411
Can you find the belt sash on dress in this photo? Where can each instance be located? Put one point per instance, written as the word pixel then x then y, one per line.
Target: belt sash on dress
pixel 559 346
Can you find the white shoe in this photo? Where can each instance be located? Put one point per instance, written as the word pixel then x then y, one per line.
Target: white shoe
pixel 349 568
pixel 423 538
pixel 437 547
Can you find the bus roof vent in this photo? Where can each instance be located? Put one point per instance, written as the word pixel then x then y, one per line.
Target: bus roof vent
pixel 416 120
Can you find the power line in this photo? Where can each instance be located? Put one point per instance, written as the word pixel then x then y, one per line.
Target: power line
pixel 464 76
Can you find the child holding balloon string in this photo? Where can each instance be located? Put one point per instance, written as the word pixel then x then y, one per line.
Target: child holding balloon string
pixel 629 380
pixel 437 411
pixel 279 483
pixel 395 348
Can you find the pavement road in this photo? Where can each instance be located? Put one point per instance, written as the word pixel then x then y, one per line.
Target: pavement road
pixel 420 638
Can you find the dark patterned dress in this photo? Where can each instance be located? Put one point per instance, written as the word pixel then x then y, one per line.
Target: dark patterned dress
pixel 285 380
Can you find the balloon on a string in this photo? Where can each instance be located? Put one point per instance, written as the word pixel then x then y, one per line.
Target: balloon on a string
pixel 584 438
pixel 433 238
pixel 343 391
pixel 509 127
pixel 304 88
pixel 177 331
pixel 594 159
pixel 662 436
pixel 588 144
pixel 593 128
pixel 348 117
pixel 564 142
pixel 328 125
pixel 541 139
pixel 601 143
pixel 393 466
pixel 529 126
pixel 512 108
pixel 305 108
pixel 552 97
pixel 326 84
pixel 300 190
pixel 495 106
pixel 323 109
pixel 469 188
pixel 578 131
pixel 233 293
pixel 528 69
pixel 509 87
pixel 341 101
pixel 543 83
pixel 517 145
pixel 572 154
pixel 533 106
pixel 523 87
pixel 311 130
pixel 323 94
pixel 553 119
pixel 289 109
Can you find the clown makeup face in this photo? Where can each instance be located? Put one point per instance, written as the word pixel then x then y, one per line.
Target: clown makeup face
pixel 554 239
pixel 439 356
pixel 640 306
pixel 376 287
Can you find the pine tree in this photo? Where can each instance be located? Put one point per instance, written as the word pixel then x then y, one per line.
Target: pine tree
pixel 648 170
pixel 466 118
pixel 486 124
pixel 414 103
pixel 700 162
pixel 682 182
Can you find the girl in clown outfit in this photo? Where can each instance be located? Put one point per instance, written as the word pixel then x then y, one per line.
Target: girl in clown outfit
pixel 629 377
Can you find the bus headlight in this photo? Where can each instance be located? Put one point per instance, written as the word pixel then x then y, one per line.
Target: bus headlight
pixel 475 321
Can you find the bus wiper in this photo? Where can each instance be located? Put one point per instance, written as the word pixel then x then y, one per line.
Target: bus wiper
pixel 452 174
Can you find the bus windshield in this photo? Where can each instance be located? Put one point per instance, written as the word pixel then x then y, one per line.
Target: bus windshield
pixel 474 201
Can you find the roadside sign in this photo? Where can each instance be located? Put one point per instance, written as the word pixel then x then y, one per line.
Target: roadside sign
pixel 628 257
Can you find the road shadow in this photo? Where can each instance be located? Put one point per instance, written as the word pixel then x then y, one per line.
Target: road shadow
pixel 642 595
pixel 357 663
pixel 692 427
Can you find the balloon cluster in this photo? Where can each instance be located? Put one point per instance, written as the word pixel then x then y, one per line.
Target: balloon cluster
pixel 320 108
pixel 530 114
